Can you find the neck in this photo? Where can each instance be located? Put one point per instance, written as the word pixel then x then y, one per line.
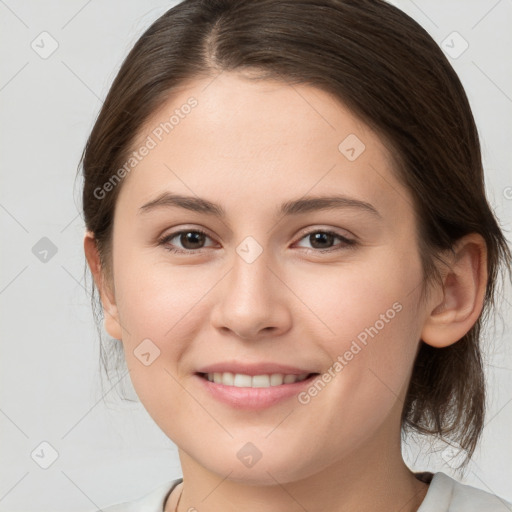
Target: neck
pixel 367 479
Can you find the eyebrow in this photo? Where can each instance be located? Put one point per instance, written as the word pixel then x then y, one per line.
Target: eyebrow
pixel 294 207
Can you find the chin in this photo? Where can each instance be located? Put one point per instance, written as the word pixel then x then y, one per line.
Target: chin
pixel 247 464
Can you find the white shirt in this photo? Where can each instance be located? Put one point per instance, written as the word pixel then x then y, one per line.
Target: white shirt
pixel 444 495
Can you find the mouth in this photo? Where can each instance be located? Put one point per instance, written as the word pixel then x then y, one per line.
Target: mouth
pixel 241 380
pixel 253 392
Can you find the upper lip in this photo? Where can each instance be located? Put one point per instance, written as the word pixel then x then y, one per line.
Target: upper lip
pixel 262 368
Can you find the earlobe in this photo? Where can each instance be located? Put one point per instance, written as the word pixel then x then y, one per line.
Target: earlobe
pixel 111 314
pixel 462 294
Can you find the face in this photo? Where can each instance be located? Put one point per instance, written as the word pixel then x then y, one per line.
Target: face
pixel 330 288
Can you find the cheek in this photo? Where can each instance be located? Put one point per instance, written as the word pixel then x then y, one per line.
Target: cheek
pixel 158 309
pixel 364 388
pixel 370 329
pixel 361 300
pixel 155 299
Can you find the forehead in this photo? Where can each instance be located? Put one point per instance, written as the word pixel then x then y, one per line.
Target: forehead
pixel 233 137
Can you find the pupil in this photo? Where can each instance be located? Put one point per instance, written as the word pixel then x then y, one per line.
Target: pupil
pixel 319 237
pixel 191 237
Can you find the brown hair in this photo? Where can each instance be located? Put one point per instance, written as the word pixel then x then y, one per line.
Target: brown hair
pixel 387 69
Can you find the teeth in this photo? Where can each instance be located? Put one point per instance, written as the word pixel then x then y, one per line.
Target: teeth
pixel 257 381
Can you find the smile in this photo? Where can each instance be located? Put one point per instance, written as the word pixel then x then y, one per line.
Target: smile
pixel 241 380
pixel 254 392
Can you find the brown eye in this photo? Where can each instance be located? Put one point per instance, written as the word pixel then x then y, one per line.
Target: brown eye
pixel 189 239
pixel 323 241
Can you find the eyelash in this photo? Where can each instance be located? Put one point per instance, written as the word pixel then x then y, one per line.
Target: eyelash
pixel 347 243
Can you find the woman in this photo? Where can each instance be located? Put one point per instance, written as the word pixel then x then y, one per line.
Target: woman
pixel 287 224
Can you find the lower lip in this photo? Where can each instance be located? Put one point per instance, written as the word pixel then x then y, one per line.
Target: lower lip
pixel 254 398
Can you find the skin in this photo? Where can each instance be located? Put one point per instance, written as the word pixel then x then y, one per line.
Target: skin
pixel 250 146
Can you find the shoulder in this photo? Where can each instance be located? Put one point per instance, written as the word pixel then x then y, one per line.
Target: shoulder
pixel 447 495
pixel 152 501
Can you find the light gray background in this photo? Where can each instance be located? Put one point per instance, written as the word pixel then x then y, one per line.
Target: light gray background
pixel 109 451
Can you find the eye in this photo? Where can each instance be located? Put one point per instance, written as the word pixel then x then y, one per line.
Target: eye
pixel 322 240
pixel 191 240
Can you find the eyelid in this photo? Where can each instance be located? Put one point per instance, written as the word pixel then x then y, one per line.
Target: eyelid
pixel 163 239
pixel 346 241
pixel 335 231
pixel 176 230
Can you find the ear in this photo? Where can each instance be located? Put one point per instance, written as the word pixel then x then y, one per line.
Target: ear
pixel 111 314
pixel 458 302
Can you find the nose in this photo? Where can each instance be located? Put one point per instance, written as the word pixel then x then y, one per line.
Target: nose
pixel 252 300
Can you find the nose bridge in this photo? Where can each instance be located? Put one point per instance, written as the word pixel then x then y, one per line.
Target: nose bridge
pixel 251 300
pixel 250 281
